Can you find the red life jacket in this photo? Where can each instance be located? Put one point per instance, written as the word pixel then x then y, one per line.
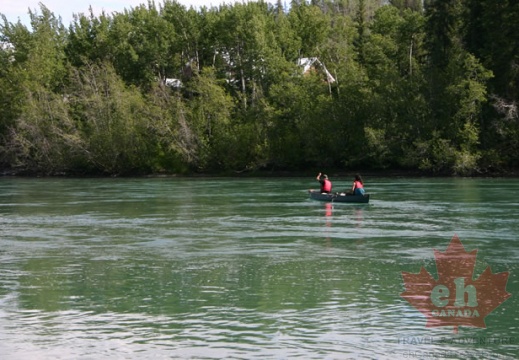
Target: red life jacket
pixel 326 186
pixel 358 185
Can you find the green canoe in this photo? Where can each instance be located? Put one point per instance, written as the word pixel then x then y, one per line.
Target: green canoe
pixel 338 197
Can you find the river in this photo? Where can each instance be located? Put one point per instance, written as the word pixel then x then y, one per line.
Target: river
pixel 221 268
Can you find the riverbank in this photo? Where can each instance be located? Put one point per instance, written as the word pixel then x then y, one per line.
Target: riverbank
pixel 332 173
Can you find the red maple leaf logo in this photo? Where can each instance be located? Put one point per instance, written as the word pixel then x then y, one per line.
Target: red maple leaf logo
pixel 455 298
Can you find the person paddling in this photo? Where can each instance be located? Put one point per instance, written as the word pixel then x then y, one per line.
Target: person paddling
pixel 326 185
pixel 358 186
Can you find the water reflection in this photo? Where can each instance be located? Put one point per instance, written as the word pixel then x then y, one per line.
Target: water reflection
pixel 328 212
pixel 351 213
pixel 359 216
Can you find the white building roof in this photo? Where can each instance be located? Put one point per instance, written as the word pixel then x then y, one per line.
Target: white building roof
pixel 308 63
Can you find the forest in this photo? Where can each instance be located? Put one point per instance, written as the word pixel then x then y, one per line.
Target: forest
pixel 403 85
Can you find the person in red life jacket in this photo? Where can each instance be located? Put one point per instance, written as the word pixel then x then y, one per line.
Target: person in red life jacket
pixel 326 185
pixel 358 186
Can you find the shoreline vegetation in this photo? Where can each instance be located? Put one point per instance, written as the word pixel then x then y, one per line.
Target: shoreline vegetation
pixel 420 88
pixel 333 174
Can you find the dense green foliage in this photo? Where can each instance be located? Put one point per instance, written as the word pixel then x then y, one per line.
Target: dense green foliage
pixel 431 88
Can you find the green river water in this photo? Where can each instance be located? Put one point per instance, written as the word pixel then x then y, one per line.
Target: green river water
pixel 214 268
